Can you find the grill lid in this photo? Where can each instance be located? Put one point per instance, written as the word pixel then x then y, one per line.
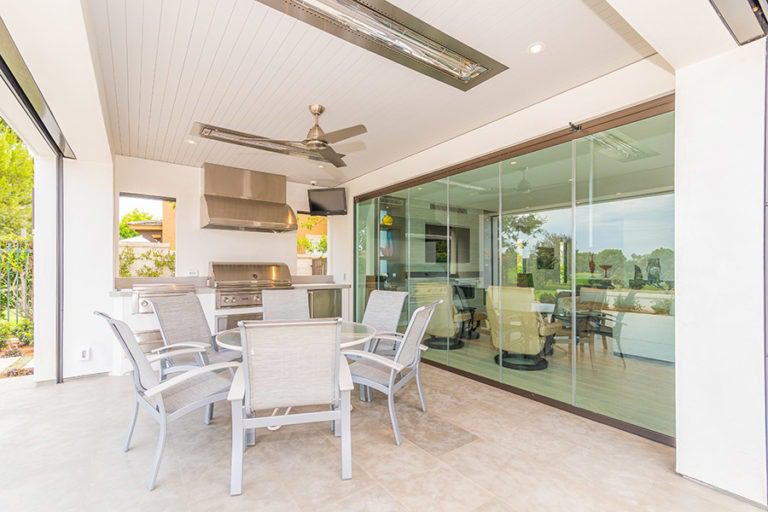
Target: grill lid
pixel 256 275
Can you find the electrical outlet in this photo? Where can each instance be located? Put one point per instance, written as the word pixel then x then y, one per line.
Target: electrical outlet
pixel 193 273
pixel 85 353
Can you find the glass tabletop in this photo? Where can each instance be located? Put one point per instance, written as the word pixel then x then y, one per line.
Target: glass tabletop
pixel 352 335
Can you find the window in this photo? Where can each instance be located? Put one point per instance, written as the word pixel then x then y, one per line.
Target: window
pixel 147 236
pixel 312 245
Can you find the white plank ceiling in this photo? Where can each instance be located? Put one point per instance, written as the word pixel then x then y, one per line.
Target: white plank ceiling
pixel 163 64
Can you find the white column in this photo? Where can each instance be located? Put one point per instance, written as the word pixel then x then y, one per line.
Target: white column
pixel 719 239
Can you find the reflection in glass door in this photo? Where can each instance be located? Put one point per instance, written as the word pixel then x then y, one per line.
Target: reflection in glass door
pixel 555 269
pixel 624 273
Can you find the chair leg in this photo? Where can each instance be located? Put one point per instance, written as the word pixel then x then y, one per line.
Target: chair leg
pixel 208 414
pixel 346 437
pixel 361 390
pixel 335 425
pixel 393 417
pixel 158 453
pixel 131 425
pixel 421 390
pixel 236 470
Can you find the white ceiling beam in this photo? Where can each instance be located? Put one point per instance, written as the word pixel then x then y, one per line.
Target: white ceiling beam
pixel 682 31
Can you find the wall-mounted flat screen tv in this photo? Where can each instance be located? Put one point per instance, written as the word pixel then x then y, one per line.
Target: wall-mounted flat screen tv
pixel 328 201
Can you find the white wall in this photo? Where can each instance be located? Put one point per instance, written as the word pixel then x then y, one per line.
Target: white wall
pixel 631 85
pixel 195 247
pixel 719 200
pixel 42 29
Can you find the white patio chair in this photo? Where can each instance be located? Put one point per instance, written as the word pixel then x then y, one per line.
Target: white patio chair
pixel 382 312
pixel 289 364
pixel 183 324
pixel 391 375
pixel 285 304
pixel 174 397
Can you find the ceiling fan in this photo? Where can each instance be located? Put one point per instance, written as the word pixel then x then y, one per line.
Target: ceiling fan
pixel 316 146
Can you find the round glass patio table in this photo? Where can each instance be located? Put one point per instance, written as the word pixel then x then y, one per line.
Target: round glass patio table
pixel 353 334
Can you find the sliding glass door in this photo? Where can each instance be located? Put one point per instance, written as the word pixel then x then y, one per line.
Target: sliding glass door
pixel 555 268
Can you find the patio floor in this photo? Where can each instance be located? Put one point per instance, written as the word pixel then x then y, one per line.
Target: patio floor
pixel 477 449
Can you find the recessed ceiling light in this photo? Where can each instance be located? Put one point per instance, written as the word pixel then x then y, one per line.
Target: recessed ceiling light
pixel 536 47
pixel 190 141
pixel 321 166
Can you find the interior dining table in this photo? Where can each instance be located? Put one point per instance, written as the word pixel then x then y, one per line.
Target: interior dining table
pixel 353 335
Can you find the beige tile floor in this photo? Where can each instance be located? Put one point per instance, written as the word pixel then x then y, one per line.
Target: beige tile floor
pixel 477 449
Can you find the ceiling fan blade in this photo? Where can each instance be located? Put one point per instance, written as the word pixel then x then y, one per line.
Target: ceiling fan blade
pixel 345 133
pixel 350 147
pixel 331 156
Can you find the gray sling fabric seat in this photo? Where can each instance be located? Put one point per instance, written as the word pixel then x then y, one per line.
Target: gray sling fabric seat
pixel 382 312
pixel 288 364
pixel 168 400
pixel 389 376
pixel 183 324
pixel 285 304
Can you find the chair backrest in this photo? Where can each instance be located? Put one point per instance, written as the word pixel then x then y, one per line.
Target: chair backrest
pixel 144 377
pixel 592 299
pixel 513 321
pixel 383 310
pixel 290 363
pixel 181 319
pixel 285 304
pixel 563 304
pixel 408 353
pixel 444 322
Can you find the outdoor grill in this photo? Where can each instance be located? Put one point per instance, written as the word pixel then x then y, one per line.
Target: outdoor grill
pixel 239 285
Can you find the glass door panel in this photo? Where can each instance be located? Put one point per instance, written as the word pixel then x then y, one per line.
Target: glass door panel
pixel 624 273
pixel 366 257
pixel 534 258
pixel 473 199
pixel 428 256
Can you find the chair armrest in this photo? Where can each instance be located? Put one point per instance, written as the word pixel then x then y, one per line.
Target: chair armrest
pixel 191 374
pixel 373 357
pixel 190 344
pixel 237 389
pixel 173 353
pixel 389 335
pixel 345 376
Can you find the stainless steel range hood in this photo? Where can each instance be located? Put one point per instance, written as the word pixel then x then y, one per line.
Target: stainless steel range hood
pixel 244 200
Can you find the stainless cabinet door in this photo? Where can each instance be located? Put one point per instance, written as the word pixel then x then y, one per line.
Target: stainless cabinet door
pixel 325 303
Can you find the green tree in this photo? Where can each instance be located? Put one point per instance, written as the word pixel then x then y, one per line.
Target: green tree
pixel 132 216
pixel 16 182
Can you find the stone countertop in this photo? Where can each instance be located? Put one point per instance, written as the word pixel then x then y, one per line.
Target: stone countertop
pixel 321 286
pixel 126 292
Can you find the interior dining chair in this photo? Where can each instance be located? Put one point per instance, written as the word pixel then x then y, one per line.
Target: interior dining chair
pixel 183 324
pixel 292 304
pixel 391 375
pixel 382 312
pixel 177 396
pixel 290 364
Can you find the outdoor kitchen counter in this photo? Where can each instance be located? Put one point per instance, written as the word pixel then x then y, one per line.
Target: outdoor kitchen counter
pixel 321 286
